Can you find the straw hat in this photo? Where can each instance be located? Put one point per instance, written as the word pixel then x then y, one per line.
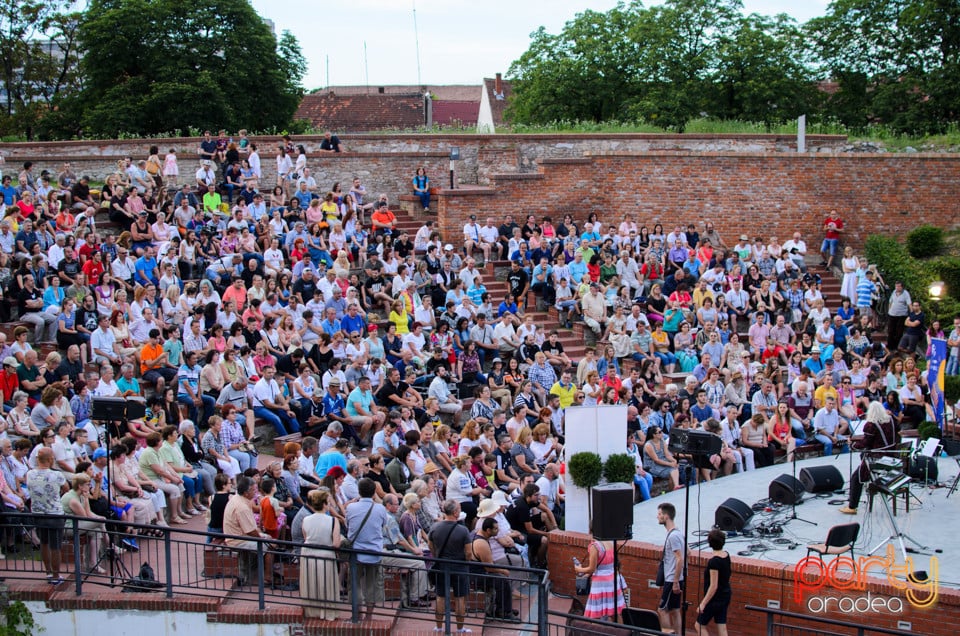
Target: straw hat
pixel 488 508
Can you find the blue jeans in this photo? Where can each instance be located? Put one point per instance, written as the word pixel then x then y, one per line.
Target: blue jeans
pixel 244 459
pixel 424 198
pixel 208 404
pixel 644 483
pixel 953 365
pixel 282 423
pixel 191 485
pixel 828 445
pixel 829 244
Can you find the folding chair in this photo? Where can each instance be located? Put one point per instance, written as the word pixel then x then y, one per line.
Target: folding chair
pixel 840 540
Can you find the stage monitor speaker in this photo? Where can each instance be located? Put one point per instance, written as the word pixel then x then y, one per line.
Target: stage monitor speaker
pixel 821 479
pixel 732 515
pixel 786 489
pixel 613 512
pixel 642 618
pixel 109 409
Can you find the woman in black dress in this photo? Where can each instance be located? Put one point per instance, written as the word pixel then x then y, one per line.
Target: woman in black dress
pixel 716 587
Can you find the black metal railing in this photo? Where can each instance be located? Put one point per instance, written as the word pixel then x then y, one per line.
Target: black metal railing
pixel 775 625
pixel 184 562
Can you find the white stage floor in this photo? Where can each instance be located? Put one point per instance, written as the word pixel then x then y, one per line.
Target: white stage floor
pixel 932 521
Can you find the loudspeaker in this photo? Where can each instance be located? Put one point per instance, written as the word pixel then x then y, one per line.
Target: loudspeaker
pixel 786 489
pixel 136 408
pixel 924 468
pixel 694 442
pixel 732 515
pixel 113 409
pixel 613 512
pixel 821 479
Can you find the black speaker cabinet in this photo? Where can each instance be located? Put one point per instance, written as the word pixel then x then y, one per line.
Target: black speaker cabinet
pixel 821 479
pixel 112 409
pixel 786 489
pixel 732 515
pixel 613 512
pixel 924 468
pixel 694 442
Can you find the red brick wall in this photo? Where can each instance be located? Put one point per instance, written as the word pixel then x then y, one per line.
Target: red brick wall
pixel 754 582
pixel 770 194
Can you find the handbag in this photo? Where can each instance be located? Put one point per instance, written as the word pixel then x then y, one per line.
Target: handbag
pixel 347 542
pixel 435 566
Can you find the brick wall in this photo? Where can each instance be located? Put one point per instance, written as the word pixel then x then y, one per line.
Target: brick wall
pixel 770 194
pixel 754 582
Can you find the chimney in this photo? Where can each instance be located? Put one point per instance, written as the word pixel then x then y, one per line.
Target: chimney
pixel 498 85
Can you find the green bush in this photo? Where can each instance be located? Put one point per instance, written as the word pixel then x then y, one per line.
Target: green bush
pixel 585 469
pixel 949 269
pixel 925 241
pixel 928 430
pixel 894 263
pixel 619 468
pixel 951 387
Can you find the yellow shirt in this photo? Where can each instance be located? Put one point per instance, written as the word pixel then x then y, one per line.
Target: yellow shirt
pixel 821 394
pixel 565 394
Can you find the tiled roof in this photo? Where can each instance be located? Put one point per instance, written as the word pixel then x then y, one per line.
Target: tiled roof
pixel 497 106
pixel 362 113
pixel 450 112
pixel 460 93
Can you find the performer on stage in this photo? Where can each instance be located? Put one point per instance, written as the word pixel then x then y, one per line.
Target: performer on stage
pixel 878 435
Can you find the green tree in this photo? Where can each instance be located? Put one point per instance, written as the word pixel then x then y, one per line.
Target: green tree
pixel 38 60
pixel 203 64
pixel 588 72
pixel 679 54
pixel 908 53
pixel 761 72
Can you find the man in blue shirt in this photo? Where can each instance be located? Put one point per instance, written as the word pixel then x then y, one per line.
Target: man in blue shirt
pixel 365 520
pixel 8 191
pixel 701 411
pixel 578 269
pixel 353 321
pixel 146 268
pixel 361 410
pixel 189 394
pixel 334 408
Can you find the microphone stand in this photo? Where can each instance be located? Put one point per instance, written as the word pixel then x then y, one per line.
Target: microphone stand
pixel 793 515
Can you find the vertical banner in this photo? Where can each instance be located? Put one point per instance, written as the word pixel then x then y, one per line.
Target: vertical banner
pixel 935 373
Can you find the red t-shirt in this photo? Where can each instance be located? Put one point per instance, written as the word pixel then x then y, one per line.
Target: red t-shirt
pixel 93 270
pixel 832 233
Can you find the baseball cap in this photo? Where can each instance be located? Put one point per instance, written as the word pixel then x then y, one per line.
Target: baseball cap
pixel 100 452
pixel 10 361
pixel 448 248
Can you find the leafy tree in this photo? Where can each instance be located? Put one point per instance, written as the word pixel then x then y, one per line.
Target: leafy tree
pixel 204 64
pixel 909 53
pixel 761 72
pixel 587 72
pixel 38 60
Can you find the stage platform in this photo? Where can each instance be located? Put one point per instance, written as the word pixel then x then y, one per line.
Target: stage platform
pixel 933 520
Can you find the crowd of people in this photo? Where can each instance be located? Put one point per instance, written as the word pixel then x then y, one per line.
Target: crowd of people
pixel 227 300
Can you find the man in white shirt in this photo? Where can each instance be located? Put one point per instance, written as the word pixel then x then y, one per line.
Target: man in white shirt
pixel 269 403
pixel 594 308
pixel 205 176
pixel 505 336
pixel 489 237
pixel 439 389
pixel 103 343
pixel 471 239
pixel 796 248
pixel 628 271
pixel 123 267
pixel 66 459
pixel 469 273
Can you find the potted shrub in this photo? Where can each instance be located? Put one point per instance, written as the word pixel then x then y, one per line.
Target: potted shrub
pixel 619 468
pixel 585 469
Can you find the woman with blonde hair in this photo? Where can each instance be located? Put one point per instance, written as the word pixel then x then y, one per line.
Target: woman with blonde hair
pixel 319 574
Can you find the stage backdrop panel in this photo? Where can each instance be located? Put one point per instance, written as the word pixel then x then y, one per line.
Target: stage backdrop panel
pixel 593 429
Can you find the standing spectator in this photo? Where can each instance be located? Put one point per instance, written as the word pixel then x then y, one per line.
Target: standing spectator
pixel 606 585
pixel 319 580
pixel 46 486
pixel 716 586
pixel 897 310
pixel 451 540
pixel 365 520
pixel 670 597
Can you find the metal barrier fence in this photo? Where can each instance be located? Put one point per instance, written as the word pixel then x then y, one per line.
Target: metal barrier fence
pixel 776 626
pixel 280 573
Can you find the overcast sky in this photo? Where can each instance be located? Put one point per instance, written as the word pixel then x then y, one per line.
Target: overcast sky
pixel 460 41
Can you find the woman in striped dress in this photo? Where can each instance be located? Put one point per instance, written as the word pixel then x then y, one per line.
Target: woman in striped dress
pixel 600 604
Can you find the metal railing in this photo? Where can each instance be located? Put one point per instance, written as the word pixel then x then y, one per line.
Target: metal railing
pixel 776 626
pixel 183 562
